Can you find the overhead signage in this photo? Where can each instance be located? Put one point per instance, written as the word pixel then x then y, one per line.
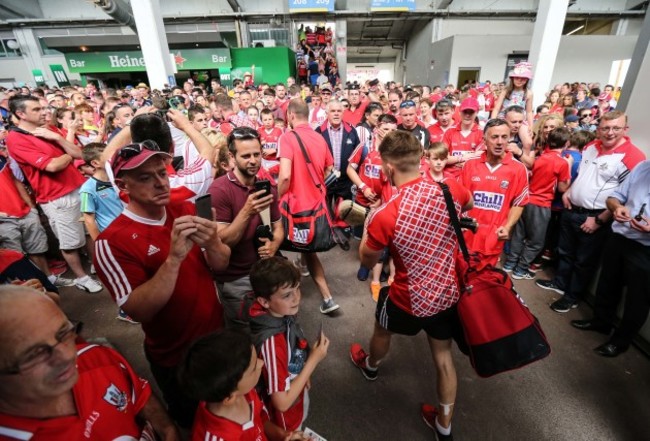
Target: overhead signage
pixel 59 75
pixel 38 77
pixel 133 61
pixel 392 5
pixel 311 5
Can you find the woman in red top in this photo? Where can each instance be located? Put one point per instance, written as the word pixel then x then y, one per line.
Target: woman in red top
pixel 556 104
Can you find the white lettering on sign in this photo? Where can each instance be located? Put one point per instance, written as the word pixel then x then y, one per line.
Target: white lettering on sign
pixel 75 63
pixel 219 59
pixel 126 61
pixel 225 77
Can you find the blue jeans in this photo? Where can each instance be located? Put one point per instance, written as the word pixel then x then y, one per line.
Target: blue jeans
pixel 579 254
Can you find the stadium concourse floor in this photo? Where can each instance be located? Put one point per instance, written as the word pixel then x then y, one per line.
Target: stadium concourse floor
pixel 573 394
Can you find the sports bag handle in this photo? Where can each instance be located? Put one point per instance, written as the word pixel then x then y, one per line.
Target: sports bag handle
pixel 453 216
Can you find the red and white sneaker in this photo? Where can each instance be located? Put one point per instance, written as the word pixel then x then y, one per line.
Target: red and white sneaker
pixel 358 357
pixel 429 414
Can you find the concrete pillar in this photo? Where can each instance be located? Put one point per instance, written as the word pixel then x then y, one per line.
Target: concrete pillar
pixel 636 94
pixel 153 41
pixel 31 51
pixel 544 45
pixel 342 47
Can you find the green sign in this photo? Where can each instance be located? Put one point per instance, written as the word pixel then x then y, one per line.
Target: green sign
pixel 59 75
pixel 237 73
pixel 133 61
pixel 38 77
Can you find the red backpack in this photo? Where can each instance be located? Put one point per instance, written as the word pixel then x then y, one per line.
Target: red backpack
pixel 500 332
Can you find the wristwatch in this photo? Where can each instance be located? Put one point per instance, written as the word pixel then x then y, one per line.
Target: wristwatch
pixel 599 221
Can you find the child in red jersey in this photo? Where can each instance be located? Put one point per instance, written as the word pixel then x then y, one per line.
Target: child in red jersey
pixel 437 155
pixel 365 171
pixel 269 135
pixel 221 370
pixel 288 360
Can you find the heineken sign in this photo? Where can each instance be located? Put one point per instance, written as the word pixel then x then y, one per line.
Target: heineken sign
pixel 133 61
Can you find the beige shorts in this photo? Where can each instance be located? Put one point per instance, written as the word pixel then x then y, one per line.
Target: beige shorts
pixel 25 234
pixel 64 216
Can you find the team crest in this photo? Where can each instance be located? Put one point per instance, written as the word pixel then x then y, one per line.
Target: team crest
pixel 504 184
pixel 116 397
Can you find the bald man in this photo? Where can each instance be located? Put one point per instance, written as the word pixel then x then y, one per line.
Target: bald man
pixel 53 388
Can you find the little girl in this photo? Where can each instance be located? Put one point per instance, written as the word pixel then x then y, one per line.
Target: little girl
pixel 517 93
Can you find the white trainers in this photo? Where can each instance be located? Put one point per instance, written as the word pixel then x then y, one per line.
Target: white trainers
pixel 85 283
pixel 304 271
pixel 59 281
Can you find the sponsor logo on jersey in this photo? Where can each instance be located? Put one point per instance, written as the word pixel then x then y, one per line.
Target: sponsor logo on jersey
pixel 116 397
pixel 476 179
pixel 152 250
pixel 491 178
pixel 486 200
pixel 504 184
pixel 372 171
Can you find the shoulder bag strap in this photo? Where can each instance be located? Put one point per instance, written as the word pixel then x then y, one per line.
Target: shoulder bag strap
pixel 310 165
pixel 453 216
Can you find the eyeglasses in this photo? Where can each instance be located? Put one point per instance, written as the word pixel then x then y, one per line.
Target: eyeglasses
pixel 43 353
pixel 407 103
pixel 131 150
pixel 613 129
pixel 585 115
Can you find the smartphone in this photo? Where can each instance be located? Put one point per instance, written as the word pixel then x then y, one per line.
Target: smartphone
pixel 263 185
pixel 639 217
pixel 204 206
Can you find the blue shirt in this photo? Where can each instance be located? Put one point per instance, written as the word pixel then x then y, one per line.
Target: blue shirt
pixel 633 193
pixel 100 198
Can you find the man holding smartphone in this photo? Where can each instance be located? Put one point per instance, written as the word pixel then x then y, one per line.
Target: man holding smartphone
pixel 246 204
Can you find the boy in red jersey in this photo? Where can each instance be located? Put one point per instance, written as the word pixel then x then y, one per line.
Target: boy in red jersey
pixel 54 389
pixel 550 172
pixel 499 185
pixel 444 112
pixel 281 342
pixel 437 155
pixel 221 370
pixel 365 171
pixel 269 135
pixel 464 139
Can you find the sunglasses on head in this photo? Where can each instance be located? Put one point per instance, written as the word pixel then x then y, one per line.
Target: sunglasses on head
pixel 406 104
pixel 243 133
pixel 131 150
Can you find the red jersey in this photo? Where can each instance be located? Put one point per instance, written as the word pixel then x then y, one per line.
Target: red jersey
pixel 275 353
pixel 437 133
pixel 302 184
pixel 354 117
pixel 33 154
pixel 130 252
pixel 460 194
pixel 269 139
pixel 459 144
pixel 549 169
pixel 11 203
pixel 210 427
pixel 415 225
pixel 494 192
pixel 370 172
pixel 108 397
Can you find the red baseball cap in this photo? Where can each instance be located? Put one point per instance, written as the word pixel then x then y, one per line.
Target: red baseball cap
pixel 133 156
pixel 469 103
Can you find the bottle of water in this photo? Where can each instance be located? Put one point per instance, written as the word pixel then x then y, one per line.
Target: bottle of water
pixel 298 357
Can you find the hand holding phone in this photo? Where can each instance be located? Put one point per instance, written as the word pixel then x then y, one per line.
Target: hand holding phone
pixel 265 185
pixel 639 217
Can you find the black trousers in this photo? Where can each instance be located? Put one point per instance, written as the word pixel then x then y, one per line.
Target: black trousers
pixel 180 407
pixel 626 263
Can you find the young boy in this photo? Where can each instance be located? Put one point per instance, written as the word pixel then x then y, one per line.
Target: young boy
pixel 365 171
pixel 281 342
pixel 437 155
pixel 221 370
pixel 550 171
pixel 100 204
pixel 269 135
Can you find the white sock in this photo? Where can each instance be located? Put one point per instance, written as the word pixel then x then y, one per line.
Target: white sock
pixel 370 368
pixel 443 430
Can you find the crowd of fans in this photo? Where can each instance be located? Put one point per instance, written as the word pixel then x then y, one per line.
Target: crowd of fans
pixel 110 180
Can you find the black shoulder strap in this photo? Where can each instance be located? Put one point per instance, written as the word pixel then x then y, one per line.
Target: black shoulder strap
pixel 453 216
